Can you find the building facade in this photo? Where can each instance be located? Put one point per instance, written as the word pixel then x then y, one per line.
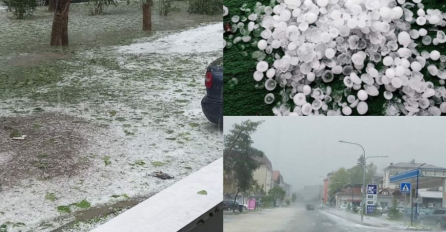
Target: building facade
pixel 398 168
pixel 264 174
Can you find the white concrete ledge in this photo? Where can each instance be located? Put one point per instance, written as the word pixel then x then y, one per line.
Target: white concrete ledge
pixel 175 207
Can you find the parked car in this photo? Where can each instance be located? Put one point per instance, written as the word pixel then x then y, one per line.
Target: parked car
pixel 435 217
pixel 212 103
pixel 309 207
pixel 230 206
pixel 343 207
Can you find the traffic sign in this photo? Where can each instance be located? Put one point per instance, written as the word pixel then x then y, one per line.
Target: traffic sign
pixel 371 189
pixel 405 187
pixel 370 209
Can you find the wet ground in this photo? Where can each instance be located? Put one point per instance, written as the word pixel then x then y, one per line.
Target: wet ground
pixel 293 219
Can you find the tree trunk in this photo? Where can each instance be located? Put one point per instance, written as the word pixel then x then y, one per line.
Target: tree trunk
pixel 146 16
pixel 235 199
pixel 59 33
pixel 51 5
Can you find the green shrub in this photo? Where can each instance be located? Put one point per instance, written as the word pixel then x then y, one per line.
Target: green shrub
pixel 20 8
pixel 99 7
pixel 205 6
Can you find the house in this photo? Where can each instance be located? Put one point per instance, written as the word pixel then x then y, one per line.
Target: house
pixel 349 194
pixel 386 197
pixel 277 178
pixel 325 188
pixel 264 174
pixel 398 168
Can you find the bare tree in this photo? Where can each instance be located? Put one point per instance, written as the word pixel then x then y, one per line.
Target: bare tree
pixel 147 15
pixel 59 33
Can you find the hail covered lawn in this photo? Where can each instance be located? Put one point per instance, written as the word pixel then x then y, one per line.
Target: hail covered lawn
pixel 114 115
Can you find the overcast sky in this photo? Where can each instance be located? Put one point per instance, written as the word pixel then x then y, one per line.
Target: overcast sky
pixel 304 148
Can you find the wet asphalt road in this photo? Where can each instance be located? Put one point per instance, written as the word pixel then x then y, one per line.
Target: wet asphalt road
pixel 294 219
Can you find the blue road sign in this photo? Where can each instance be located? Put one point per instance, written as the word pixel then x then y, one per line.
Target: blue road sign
pixel 370 209
pixel 371 189
pixel 405 187
pixel 404 176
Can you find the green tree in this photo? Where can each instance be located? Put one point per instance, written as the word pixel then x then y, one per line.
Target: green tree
pixel 293 197
pixel 338 180
pixel 394 213
pixel 238 155
pixel 277 193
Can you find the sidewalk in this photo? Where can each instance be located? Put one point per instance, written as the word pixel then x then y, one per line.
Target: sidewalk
pixel 372 221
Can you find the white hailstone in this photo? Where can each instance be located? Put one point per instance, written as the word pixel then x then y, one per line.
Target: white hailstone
pixel 355 103
pixel 337 69
pixel 258 76
pixel 348 82
pixel 354 77
pixel 303 26
pixel 310 17
pixel 404 38
pixel 396 82
pixel 388 95
pixel 346 110
pixel 311 76
pixel 293 2
pixel 428 93
pixel 306 109
pixel 352 23
pixel 397 12
pixel 299 99
pixel 246 38
pixel 362 108
pixel 225 11
pixel 405 63
pixel 371 90
pixel 316 104
pixel 434 19
pixel 399 71
pixel 306 89
pixel 432 69
pixel 385 12
pixel 385 80
pixel 266 34
pixel 441 37
pixel 434 111
pixel 422 32
pixel 388 61
pixel 421 21
pixel 435 41
pixel 270 84
pixel 330 53
pixel 373 72
pixel 404 52
pixel 253 17
pixel 421 12
pixel 424 103
pixel 414 34
pixel 443 107
pixel 262 44
pixel 335 14
pixel 434 55
pixel 262 66
pixel 356 87
pixel 351 98
pixel 362 95
pixel 292 46
pixel 358 59
pixel 322 3
pixel 270 73
pixel 390 73
pixel 324 107
pixel 415 66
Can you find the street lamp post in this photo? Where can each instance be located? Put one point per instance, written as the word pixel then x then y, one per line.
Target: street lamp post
pixel 363 175
pixel 416 194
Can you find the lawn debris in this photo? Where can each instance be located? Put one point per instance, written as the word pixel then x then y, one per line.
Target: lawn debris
pixel 162 175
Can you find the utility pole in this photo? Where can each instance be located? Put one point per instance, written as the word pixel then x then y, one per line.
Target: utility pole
pixel 416 194
pixel 363 208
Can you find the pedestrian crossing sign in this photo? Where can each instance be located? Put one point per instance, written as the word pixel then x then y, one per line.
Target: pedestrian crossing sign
pixel 405 187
